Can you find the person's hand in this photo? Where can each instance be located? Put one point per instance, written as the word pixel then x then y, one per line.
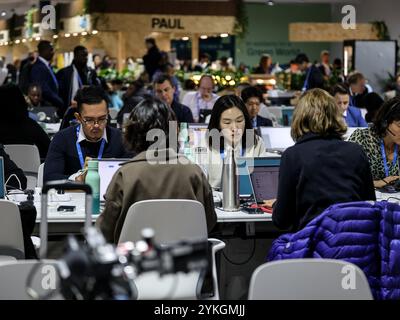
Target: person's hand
pixel 82 177
pixel 385 181
pixel 269 203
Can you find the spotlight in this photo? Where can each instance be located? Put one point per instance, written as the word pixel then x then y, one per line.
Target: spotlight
pixel 3 13
pixel 185 38
pixel 270 3
pixel 94 32
pixel 203 36
pixel 224 35
pixel 55 36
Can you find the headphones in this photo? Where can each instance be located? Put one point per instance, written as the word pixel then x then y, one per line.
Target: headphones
pixel 384 122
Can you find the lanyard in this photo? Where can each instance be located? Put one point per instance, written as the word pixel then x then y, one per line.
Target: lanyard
pixel 384 158
pixel 79 150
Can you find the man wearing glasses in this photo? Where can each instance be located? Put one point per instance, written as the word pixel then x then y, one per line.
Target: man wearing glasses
pixel 91 138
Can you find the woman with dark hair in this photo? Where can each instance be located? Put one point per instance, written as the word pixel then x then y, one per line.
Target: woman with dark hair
pixel 372 102
pixel 15 125
pixel 156 172
pixel 381 143
pixel 230 127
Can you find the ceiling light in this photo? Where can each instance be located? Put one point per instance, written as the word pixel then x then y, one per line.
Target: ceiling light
pixel 185 38
pixel 23 40
pixel 95 32
pixel 224 35
pixel 84 33
pixel 3 13
pixel 37 38
pixel 67 35
pixel 270 2
pixel 75 34
pixel 17 41
pixel 55 36
pixel 203 36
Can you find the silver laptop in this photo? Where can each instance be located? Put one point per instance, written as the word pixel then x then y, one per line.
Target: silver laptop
pixel 107 169
pixel 264 182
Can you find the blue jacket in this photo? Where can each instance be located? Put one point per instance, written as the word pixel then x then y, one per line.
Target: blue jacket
pixel 364 233
pixel 354 118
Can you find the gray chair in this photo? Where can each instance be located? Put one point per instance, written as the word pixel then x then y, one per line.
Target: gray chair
pixel 11 237
pixel 42 277
pixel 171 220
pixel 40 176
pixel 309 279
pixel 27 158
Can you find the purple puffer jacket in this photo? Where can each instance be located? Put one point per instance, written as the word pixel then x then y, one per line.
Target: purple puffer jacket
pixel 364 233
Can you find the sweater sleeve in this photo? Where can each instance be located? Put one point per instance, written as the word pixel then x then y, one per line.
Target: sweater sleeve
pixel 54 167
pixel 285 206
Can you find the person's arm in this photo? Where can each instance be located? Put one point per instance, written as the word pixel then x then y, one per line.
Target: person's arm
pixel 11 168
pixel 188 115
pixel 284 210
pixel 107 221
pixel 54 168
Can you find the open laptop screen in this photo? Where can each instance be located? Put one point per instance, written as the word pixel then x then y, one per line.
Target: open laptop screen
pixel 107 168
pixel 265 183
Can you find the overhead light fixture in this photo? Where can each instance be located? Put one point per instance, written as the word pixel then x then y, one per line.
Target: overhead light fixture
pixel 185 38
pixel 84 33
pixel 67 35
pixel 6 43
pixel 3 13
pixel 17 41
pixel 203 36
pixel 224 35
pixel 95 32
pixel 37 38
pixel 55 36
pixel 270 3
pixel 23 40
pixel 75 34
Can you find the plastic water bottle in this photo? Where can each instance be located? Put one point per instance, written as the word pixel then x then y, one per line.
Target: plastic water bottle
pixel 93 180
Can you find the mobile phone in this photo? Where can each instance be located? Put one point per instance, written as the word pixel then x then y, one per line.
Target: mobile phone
pixel 66 208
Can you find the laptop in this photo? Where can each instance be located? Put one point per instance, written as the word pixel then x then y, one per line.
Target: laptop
pixel 246 166
pixel 107 169
pixel 264 182
pixel 276 139
pixel 2 181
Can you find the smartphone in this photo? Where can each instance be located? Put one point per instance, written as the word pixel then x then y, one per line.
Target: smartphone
pixel 66 208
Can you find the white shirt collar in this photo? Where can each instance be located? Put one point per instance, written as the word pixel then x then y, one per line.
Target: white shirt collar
pixel 345 113
pixel 82 136
pixel 44 61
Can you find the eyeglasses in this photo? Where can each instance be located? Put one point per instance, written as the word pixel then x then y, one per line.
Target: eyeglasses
pixel 92 122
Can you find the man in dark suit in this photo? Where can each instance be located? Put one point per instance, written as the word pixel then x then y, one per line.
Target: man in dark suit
pixel 252 97
pixel 152 58
pixel 42 74
pixel 164 90
pixel 75 76
pixel 314 77
pixel 91 138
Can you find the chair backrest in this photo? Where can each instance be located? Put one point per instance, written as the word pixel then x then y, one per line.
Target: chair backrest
pixel 27 158
pixel 171 220
pixel 41 276
pixel 40 176
pixel 309 279
pixel 11 238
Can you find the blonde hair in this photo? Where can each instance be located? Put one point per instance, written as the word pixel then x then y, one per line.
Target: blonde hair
pixel 317 112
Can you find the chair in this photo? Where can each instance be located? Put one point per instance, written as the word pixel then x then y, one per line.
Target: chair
pixel 309 279
pixel 171 220
pixel 40 176
pixel 14 276
pixel 11 237
pixel 27 158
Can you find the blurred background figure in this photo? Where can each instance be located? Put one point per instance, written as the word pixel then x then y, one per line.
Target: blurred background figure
pixel 152 58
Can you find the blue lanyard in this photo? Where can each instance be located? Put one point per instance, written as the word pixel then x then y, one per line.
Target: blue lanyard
pixel 305 85
pixel 384 158
pixel 79 150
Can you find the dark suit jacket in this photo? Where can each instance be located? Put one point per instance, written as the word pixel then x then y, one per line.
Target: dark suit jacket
pixel 315 79
pixel 264 122
pixel 65 80
pixel 182 112
pixel 62 159
pixel 41 75
pixel 316 173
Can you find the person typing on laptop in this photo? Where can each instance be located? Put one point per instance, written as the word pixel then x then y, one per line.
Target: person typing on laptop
pixel 92 138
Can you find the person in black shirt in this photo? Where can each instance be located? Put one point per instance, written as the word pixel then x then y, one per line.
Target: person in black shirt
pixel 164 90
pixel 313 76
pixel 320 169
pixel 15 125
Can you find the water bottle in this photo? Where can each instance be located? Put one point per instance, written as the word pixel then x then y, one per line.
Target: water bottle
pixel 230 183
pixel 93 180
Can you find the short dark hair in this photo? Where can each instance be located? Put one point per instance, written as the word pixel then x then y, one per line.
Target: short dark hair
pixel 78 49
pixel 161 79
pixel 300 58
pixel 224 103
pixel 151 40
pixel 44 45
pixel 386 114
pixel 250 92
pixel 150 113
pixel 89 95
pixel 355 77
pixel 340 89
